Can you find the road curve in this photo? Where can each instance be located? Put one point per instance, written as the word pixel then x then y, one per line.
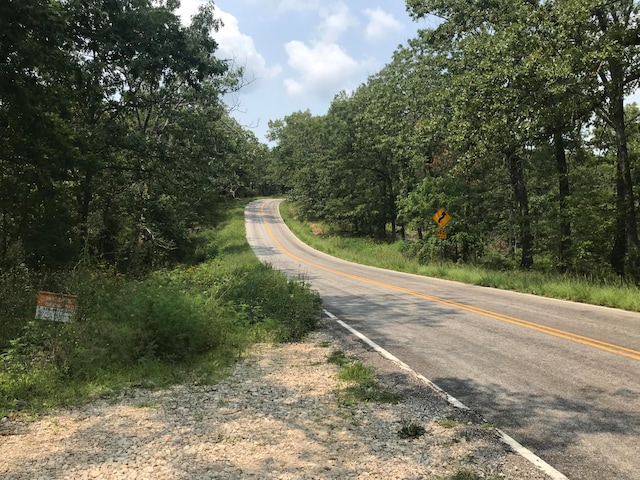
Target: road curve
pixel 561 378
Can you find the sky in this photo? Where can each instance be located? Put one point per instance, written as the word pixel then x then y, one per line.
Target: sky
pixel 298 54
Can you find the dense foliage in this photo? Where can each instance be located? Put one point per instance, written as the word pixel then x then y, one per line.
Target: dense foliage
pixel 118 161
pixel 187 323
pixel 114 135
pixel 508 114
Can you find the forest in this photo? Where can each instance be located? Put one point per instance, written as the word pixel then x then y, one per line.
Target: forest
pixel 115 136
pixel 123 181
pixel 510 115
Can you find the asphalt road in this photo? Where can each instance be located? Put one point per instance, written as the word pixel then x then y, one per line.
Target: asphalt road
pixel 562 378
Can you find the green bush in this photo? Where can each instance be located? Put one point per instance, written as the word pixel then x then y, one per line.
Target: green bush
pixel 184 324
pixel 266 295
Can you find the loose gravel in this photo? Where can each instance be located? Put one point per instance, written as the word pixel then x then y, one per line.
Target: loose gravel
pixel 280 415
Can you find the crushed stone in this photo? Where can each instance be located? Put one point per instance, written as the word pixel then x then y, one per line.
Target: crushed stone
pixel 279 415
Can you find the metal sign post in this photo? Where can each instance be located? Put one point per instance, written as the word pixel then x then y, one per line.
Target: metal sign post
pixel 441 217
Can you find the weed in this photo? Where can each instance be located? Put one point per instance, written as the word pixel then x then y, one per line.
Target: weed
pixel 466 474
pixel 409 429
pixel 357 372
pixel 368 392
pixel 447 422
pixel 187 323
pixel 363 386
pixel 338 358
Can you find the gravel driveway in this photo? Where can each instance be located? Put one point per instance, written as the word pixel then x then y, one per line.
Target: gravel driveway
pixel 278 416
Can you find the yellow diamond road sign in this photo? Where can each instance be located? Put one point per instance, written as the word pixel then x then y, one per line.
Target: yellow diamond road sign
pixel 441 217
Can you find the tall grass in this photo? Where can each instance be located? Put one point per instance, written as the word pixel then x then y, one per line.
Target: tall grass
pixel 184 324
pixel 610 293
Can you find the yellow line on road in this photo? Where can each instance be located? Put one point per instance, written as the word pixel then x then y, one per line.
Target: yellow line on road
pixel 574 337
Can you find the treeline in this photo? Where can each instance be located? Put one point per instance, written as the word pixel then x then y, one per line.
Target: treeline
pixel 508 114
pixel 114 137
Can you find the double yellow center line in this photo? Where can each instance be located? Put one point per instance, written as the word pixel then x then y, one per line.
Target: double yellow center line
pixel 574 337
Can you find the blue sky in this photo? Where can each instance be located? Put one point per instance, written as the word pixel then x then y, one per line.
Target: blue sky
pixel 298 54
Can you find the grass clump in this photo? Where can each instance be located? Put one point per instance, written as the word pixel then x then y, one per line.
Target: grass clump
pixel 466 474
pixel 410 430
pixel 357 372
pixel 362 385
pixel 184 324
pixel 338 358
pixel 447 423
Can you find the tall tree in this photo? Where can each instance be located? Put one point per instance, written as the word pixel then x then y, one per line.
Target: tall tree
pixel 113 129
pixel 609 37
pixel 534 51
pixel 34 70
pixel 493 114
pixel 133 57
pixel 300 159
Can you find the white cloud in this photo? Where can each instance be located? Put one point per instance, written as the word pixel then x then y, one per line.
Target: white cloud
pixel 336 23
pixel 381 24
pixel 232 44
pixel 187 9
pixel 321 67
pixel 241 48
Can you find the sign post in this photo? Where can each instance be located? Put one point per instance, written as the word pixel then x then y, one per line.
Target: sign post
pixel 441 217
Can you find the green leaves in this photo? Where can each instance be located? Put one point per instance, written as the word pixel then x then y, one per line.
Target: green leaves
pixel 113 129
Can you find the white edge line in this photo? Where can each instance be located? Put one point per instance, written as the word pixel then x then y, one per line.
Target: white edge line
pixel 511 442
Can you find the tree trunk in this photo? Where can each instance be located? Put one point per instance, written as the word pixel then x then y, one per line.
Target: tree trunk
pixel 391 207
pixel 626 210
pixel 516 175
pixel 619 249
pixel 86 195
pixel 107 240
pixel 564 246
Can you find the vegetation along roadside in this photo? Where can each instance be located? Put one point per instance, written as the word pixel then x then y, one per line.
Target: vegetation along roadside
pixel 186 323
pixel 401 256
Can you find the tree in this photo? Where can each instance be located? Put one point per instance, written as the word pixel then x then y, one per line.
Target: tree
pixel 528 53
pixel 609 59
pixel 490 114
pixel 300 159
pixel 34 68
pixel 115 133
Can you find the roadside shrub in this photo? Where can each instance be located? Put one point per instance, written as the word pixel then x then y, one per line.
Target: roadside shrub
pixel 119 329
pixel 424 251
pixel 185 324
pixel 290 307
pixel 17 302
pixel 145 321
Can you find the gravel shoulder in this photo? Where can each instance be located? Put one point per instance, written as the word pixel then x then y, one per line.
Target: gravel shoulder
pixel 278 416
